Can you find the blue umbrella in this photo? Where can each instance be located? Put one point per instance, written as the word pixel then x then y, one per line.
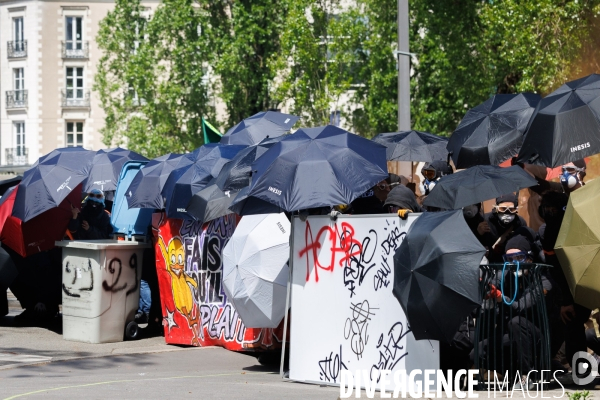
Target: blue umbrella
pixel 413 146
pixel 106 168
pixel 243 204
pixel 235 175
pixel 146 186
pixel 50 180
pixel 318 167
pixel 258 127
pixel 184 182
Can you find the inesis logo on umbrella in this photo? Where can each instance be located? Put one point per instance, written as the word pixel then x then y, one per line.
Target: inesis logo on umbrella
pixel 275 190
pixel 580 147
pixel 65 184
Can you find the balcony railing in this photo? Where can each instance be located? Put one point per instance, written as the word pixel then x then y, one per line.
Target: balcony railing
pixel 17 156
pixel 75 49
pixel 17 49
pixel 75 98
pixel 16 99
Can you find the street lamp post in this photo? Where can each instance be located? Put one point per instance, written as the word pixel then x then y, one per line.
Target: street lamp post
pixel 403 57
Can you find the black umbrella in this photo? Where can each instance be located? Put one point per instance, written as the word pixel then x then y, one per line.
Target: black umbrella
pixel 492 132
pixel 210 203
pixel 258 127
pixel 436 274
pixel 145 189
pixel 106 169
pixel 235 175
pixel 565 126
pixel 8 183
pixel 250 205
pixel 184 182
pixel 477 184
pixel 50 180
pixel 413 146
pixel 317 167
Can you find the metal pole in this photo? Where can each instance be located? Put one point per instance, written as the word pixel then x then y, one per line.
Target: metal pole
pixel 403 68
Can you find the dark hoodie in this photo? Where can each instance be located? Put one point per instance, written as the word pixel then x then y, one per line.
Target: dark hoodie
pixel 98 219
pixel 402 197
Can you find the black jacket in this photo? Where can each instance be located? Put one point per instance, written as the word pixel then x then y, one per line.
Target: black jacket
pixel 496 230
pixel 100 227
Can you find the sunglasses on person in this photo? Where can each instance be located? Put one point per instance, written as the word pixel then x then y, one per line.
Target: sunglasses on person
pixel 571 170
pixel 520 257
pixel 429 173
pixel 96 195
pixel 385 186
pixel 502 209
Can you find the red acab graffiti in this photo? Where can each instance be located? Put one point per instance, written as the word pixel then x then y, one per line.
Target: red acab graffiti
pixel 342 244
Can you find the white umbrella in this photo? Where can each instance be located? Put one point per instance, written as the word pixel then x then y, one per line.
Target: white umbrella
pixel 255 269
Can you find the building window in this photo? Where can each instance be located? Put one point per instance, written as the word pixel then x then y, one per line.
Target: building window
pixel 74 134
pixel 19 40
pixel 74 83
pixel 17 98
pixel 74 31
pixel 19 79
pixel 17 155
pixel 74 46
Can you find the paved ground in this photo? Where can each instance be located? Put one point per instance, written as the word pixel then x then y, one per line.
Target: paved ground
pixel 38 363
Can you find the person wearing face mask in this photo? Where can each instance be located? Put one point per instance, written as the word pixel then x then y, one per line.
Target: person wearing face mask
pixel 572 177
pixel 432 172
pixel 498 225
pixel 92 222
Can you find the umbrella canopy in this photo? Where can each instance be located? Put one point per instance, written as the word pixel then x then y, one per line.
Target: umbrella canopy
pixel 50 180
pixel 235 175
pixel 255 269
pixel 243 204
pixel 565 126
pixel 436 274
pixel 210 203
pixel 492 132
pixel 38 233
pixel 317 167
pixel 258 127
pixel 144 190
pixel 184 182
pixel 578 244
pixel 413 146
pixel 106 168
pixel 8 183
pixel 477 184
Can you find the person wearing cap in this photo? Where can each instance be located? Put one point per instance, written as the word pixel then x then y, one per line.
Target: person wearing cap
pixel 433 172
pixel 498 225
pixel 401 200
pixel 92 222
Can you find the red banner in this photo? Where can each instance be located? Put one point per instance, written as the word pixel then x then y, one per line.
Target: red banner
pixel 194 304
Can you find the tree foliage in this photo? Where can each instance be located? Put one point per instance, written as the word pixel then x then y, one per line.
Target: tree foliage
pixel 150 78
pixel 313 57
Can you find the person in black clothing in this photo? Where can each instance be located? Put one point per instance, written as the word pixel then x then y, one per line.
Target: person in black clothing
pixel 401 198
pixel 92 222
pixel 433 172
pixel 498 225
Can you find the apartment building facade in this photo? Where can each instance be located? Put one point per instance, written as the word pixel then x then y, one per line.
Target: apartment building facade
pixel 48 58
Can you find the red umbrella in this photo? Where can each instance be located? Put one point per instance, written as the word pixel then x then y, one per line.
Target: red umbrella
pixel 39 233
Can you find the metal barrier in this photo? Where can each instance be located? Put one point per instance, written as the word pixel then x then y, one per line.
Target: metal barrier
pixel 512 332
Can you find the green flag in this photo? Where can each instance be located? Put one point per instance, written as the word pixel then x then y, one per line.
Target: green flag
pixel 211 134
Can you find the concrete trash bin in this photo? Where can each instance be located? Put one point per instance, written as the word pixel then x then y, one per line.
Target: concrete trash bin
pixel 101 288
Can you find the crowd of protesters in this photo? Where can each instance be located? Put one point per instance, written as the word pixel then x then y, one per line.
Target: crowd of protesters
pixel 507 238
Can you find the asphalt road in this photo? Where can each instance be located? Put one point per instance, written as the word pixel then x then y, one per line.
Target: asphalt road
pixel 204 373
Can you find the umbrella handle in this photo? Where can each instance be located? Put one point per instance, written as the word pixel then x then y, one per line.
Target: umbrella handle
pixel 516 284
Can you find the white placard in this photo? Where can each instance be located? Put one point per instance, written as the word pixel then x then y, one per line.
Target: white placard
pixel 343 313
